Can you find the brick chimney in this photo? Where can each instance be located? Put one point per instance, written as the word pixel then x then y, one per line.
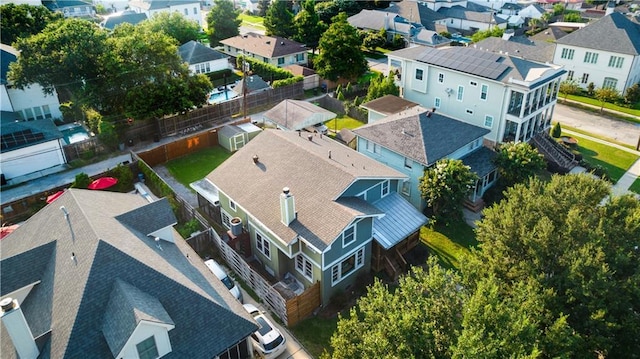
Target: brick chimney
pixel 287 207
pixel 18 329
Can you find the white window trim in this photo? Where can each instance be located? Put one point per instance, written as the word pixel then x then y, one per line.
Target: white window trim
pixel 485 121
pixel 436 102
pixel 382 188
pixel 485 93
pixel 305 261
pixel 440 77
pixel 460 93
pixel 359 255
pixel 355 237
pixel 408 163
pixel 408 191
pixel 232 205
pixel 264 239
pixel 421 75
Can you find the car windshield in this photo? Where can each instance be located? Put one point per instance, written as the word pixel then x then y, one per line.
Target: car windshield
pixel 274 344
pixel 228 282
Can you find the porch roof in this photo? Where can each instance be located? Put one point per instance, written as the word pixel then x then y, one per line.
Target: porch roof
pixel 400 220
pixel 481 161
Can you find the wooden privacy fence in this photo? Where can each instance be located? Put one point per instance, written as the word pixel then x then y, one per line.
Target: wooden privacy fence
pixel 289 311
pixel 180 147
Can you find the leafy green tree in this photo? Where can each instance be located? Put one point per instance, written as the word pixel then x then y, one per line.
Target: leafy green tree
pixel 534 23
pixel 558 9
pixel 380 86
pixel 147 78
pixel 279 19
pixel 569 87
pixel 263 5
pixel 125 178
pixel 483 34
pixel 173 24
pixel 632 94
pixel 546 17
pixel 373 39
pixel 67 54
pixel 445 185
pixel 606 94
pixel 82 180
pixel 420 319
pixel 308 26
pixel 340 54
pixel 518 161
pixel 577 244
pixel 22 21
pixel 223 21
pixel 573 16
pixel 556 131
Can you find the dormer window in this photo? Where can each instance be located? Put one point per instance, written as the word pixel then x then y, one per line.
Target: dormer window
pixel 147 348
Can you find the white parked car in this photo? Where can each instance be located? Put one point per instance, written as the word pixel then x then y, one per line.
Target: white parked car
pixel 267 340
pixel 319 128
pixel 216 269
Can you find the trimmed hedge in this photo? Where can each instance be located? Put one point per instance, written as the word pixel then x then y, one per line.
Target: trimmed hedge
pixel 268 72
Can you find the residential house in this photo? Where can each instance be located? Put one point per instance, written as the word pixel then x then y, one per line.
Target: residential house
pixel 126 17
pixel 465 19
pixel 511 8
pixel 27 147
pixel 203 59
pixel 71 8
pixel 274 50
pixel 189 8
pixel 30 140
pixel 414 139
pixel 512 97
pixel 312 208
pixel 430 38
pixel 533 11
pixel 376 20
pixel 30 103
pixel 105 275
pixel 605 52
pixel 420 12
pixel 296 115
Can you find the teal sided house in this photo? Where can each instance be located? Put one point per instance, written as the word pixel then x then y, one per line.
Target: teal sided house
pixel 311 209
pixel 413 140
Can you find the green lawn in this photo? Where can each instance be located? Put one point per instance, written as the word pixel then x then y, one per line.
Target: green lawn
pixel 315 334
pixel 197 165
pixel 449 242
pixel 631 111
pixel 615 160
pixel 252 21
pixel 635 187
pixel 343 121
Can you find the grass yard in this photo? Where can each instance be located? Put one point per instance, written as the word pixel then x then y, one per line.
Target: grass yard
pixel 343 121
pixel 315 334
pixel 635 111
pixel 197 165
pixel 255 22
pixel 449 242
pixel 615 160
pixel 635 187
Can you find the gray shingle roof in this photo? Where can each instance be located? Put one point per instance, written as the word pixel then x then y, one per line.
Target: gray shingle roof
pixel 613 33
pixel 389 104
pixel 296 115
pixel 150 218
pixel 289 159
pixel 254 83
pixel 194 52
pixel 375 20
pixel 71 299
pixel 550 34
pixel 459 12
pixel 127 17
pixel 480 161
pixel 127 307
pixel 420 135
pixel 519 47
pixel 414 12
pixel 265 46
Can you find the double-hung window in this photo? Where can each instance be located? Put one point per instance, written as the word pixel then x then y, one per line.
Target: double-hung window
pixel 304 267
pixel 262 245
pixel 484 91
pixel 460 94
pixel 347 266
pixel 441 77
pixel 384 189
pixel 147 348
pixel 348 236
pixel 419 74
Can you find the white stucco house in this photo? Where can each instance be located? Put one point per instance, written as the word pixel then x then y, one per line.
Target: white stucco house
pixel 189 8
pixel 606 52
pixel 512 97
pixel 203 59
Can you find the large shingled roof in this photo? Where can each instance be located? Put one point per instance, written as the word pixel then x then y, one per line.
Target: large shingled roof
pixel 612 33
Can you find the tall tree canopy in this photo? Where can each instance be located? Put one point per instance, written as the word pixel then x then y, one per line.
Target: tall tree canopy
pixel 556 274
pixel 380 86
pixel 445 185
pixel 517 161
pixel 340 54
pixel 309 28
pixel 279 19
pixel 22 21
pixel 173 24
pixel 67 54
pixel 223 21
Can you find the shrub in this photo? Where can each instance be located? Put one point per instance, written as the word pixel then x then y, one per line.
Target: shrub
pixel 556 131
pixel 287 82
pixel 591 88
pixel 82 181
pixel 264 70
pixel 189 227
pixel 125 177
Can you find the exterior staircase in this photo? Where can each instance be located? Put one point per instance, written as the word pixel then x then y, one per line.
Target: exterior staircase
pixel 394 264
pixel 560 159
